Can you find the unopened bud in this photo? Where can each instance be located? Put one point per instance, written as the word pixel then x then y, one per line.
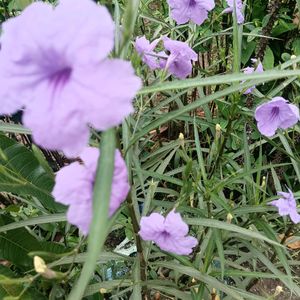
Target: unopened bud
pixel 263 184
pixel 42 269
pixel 39 265
pixel 218 131
pixel 181 136
pixel 181 139
pixel 294 64
pixel 278 290
pixel 229 218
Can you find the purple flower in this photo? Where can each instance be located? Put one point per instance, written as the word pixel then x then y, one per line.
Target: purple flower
pixel 277 113
pixel 287 206
pixel 145 49
pixel 196 10
pixel 74 187
pixel 55 62
pixel 169 233
pixel 179 61
pixel 249 70
pixel 238 9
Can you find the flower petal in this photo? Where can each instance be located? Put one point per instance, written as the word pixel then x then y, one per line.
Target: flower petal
pixel 83 30
pixel 72 185
pixel 107 92
pixel 57 121
pixel 76 217
pixel 151 227
pixel 120 186
pixel 174 224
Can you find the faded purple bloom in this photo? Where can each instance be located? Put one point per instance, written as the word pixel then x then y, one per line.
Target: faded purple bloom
pixel 196 10
pixel 249 70
pixel 277 113
pixel 287 206
pixel 53 62
pixel 145 49
pixel 74 187
pixel 169 233
pixel 179 61
pixel 238 9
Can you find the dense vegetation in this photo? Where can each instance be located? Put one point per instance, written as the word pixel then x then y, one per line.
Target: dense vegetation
pixel 191 144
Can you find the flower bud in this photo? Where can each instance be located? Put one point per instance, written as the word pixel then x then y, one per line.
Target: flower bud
pixel 229 218
pixel 42 269
pixel 218 131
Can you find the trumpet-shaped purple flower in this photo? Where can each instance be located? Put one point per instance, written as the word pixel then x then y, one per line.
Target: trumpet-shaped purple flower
pixel 74 187
pixel 169 233
pixel 54 63
pixel 238 9
pixel 249 70
pixel 146 50
pixel 287 206
pixel 179 61
pixel 195 10
pixel 277 113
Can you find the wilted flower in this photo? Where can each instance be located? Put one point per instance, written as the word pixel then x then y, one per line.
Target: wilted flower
pixel 238 9
pixel 54 63
pixel 196 10
pixel 277 113
pixel 179 61
pixel 249 70
pixel 287 206
pixel 145 49
pixel 169 233
pixel 74 187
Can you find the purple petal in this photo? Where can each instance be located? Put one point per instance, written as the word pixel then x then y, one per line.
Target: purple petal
pixel 80 215
pixel 120 186
pixel 73 185
pixel 178 245
pixel 83 30
pixel 174 224
pixel 107 92
pixel 152 227
pixel 58 122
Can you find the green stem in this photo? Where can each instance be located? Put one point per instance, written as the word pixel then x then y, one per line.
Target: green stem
pixel 99 225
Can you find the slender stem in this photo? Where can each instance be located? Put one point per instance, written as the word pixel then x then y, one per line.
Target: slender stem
pixel 99 225
pixel 136 229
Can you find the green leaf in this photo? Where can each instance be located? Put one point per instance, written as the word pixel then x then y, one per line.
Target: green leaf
pixel 229 227
pixel 34 221
pixel 268 61
pixel 21 173
pixel 234 293
pixel 16 244
pixel 18 4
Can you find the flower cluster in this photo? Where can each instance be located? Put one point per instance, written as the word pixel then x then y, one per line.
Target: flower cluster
pixel 54 64
pixel 169 233
pixel 178 62
pixel 287 206
pixel 74 187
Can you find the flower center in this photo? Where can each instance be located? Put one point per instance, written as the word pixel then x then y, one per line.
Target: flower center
pixel 192 3
pixel 274 112
pixel 60 77
pixel 165 234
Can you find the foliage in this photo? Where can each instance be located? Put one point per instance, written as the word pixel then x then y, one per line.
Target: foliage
pixel 220 178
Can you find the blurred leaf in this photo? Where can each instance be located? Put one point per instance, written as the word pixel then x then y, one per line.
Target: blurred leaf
pixel 16 244
pixel 21 173
pixel 268 61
